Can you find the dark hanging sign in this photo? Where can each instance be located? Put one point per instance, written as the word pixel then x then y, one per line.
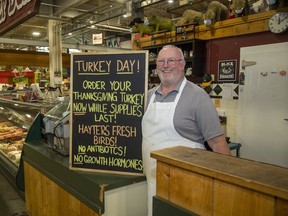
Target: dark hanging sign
pixel 107 105
pixel 227 70
pixel 15 12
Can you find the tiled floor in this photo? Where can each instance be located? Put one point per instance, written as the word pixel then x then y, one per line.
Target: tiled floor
pixel 11 203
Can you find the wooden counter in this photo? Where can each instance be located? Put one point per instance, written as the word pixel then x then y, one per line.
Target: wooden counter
pixel 208 183
pixel 52 189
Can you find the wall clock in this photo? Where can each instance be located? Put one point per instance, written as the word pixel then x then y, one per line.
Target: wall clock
pixel 278 23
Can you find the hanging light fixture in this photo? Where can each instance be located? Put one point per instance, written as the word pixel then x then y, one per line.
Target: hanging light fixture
pixel 20 72
pixel 15 71
pixel 27 69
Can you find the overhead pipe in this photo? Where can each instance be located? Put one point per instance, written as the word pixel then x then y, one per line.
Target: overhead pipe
pixel 128 30
pixel 64 45
pixel 95 23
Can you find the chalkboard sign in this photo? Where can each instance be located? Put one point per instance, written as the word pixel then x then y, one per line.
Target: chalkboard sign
pixel 107 105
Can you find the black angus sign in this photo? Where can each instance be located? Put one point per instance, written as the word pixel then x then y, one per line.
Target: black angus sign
pixel 107 105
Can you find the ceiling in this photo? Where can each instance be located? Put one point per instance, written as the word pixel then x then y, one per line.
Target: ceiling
pixel 79 19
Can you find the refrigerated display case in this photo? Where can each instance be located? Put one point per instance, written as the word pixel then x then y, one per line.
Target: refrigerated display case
pixel 16 119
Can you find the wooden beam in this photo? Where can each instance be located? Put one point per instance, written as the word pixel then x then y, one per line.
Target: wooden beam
pixel 29 58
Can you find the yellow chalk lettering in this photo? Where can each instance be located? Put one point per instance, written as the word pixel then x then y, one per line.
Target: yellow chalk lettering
pixel 125 65
pixel 125 109
pixel 120 86
pixel 132 98
pixel 125 131
pixel 79 107
pixel 98 85
pixel 101 140
pixel 104 118
pixel 95 66
pixel 97 107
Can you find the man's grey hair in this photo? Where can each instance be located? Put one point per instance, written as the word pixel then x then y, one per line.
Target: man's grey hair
pixel 175 47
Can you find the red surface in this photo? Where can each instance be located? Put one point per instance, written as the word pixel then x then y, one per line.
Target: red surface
pixel 229 48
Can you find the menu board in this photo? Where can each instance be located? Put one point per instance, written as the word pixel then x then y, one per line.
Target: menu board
pixel 107 106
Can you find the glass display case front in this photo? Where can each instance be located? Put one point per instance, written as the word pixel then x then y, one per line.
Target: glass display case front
pixel 15 120
pixel 57 127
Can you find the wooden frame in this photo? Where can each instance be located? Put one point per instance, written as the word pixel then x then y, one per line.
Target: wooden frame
pixel 255 23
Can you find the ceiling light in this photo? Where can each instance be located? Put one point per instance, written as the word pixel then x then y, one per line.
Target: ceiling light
pixel 28 115
pixel 70 33
pixel 127 14
pixel 170 1
pixel 93 26
pixel 36 33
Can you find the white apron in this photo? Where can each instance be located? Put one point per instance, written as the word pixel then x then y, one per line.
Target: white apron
pixel 158 133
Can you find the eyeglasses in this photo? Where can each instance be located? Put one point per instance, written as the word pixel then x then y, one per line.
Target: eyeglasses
pixel 170 61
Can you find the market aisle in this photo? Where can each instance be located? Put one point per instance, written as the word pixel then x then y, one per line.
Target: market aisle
pixel 11 203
